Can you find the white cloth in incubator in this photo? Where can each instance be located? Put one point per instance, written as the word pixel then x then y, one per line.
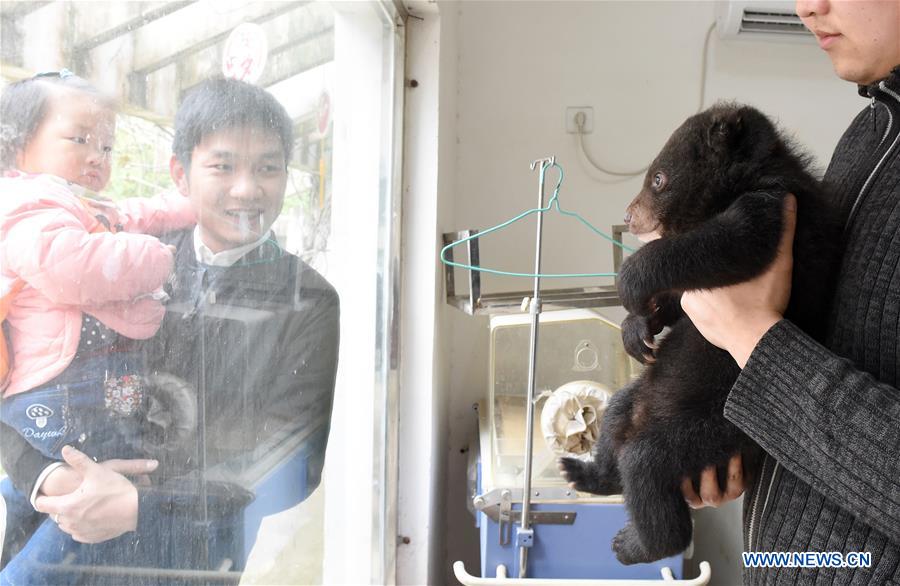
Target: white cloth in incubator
pixel 570 418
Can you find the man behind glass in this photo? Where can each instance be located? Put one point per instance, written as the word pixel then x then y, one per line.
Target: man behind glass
pixel 251 327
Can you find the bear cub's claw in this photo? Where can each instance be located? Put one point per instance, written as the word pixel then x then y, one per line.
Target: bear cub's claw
pixel 638 339
pixel 578 475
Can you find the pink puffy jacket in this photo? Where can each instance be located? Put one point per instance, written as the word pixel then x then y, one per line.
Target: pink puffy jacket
pixel 46 240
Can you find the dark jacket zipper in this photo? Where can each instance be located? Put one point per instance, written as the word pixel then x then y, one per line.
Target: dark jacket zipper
pixel 879 164
pixel 756 512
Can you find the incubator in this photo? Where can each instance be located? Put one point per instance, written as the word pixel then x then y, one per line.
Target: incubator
pixel 581 359
pixel 581 364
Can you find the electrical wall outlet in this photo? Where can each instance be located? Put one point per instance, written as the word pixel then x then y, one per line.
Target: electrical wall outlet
pixel 572 121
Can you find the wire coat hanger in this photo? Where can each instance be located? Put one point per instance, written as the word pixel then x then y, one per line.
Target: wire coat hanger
pixel 553 203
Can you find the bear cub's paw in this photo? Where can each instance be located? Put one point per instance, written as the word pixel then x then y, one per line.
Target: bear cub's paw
pixel 628 549
pixel 637 337
pixel 579 474
pixel 635 293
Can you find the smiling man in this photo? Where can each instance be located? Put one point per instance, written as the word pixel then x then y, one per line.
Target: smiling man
pixel 249 326
pixel 236 180
pixel 233 170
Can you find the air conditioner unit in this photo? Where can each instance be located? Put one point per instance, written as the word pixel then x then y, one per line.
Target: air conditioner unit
pixel 773 20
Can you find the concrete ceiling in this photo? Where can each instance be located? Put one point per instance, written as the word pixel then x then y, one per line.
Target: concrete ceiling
pixel 149 53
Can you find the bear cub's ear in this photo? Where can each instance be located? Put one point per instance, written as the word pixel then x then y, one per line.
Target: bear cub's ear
pixel 724 130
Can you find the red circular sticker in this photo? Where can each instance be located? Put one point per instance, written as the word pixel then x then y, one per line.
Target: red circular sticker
pixel 245 52
pixel 324 118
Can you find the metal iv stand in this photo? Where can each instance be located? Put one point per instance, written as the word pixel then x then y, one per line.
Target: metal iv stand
pixel 524 533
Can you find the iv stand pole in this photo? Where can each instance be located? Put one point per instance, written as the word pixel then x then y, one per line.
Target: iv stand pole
pixel 525 535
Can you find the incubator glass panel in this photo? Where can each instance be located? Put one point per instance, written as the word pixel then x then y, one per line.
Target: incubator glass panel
pixel 581 363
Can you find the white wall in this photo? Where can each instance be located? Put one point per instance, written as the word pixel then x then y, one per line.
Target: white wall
pixel 519 64
pixel 429 167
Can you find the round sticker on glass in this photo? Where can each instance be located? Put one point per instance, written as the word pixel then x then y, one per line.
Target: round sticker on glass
pixel 244 56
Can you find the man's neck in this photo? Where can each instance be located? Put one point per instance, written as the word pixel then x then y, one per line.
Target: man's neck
pixel 207 255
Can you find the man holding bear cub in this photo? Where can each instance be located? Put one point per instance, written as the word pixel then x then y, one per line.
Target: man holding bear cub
pixel 827 416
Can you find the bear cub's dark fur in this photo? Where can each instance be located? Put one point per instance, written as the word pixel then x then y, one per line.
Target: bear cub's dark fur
pixel 715 196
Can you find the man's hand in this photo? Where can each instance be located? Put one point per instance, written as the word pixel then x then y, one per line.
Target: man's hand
pixel 735 318
pixel 62 480
pixel 105 503
pixel 711 494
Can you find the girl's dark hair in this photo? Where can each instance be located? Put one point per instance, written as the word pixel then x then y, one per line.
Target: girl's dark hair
pixel 23 106
pixel 218 104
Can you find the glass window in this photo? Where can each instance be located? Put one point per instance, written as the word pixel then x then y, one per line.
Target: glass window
pixel 201 198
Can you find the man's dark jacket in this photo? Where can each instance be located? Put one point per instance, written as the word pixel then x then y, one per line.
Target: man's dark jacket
pixel 258 340
pixel 829 416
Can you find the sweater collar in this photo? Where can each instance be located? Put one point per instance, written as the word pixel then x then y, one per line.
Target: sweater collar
pixel 892 81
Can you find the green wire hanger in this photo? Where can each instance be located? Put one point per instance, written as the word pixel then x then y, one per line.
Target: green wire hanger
pixel 553 203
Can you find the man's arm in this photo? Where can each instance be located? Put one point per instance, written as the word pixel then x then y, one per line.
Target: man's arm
pixel 21 461
pixel 103 507
pixel 305 375
pixel 830 424
pixel 96 500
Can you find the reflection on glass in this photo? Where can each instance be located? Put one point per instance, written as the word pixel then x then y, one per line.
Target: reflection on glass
pixel 177 298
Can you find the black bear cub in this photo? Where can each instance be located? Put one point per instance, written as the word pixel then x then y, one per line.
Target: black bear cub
pixel 714 196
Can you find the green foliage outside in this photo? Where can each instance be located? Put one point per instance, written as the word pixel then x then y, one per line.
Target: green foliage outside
pixel 140 163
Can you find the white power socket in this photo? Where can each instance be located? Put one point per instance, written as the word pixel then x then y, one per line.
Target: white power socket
pixel 573 114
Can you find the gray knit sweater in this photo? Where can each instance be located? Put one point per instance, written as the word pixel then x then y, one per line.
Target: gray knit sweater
pixel 829 417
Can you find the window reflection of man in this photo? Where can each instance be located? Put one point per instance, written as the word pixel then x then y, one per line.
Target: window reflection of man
pixel 250 326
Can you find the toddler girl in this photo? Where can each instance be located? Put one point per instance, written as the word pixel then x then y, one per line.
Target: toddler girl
pixel 82 278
